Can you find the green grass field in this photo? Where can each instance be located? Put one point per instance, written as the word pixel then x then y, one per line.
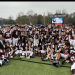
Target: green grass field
pixel 17 67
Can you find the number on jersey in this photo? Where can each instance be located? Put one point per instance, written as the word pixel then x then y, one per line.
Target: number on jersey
pixel 16 33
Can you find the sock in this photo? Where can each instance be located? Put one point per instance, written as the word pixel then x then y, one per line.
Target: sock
pixel 46 58
pixel 64 60
pixel 26 54
pixel 56 58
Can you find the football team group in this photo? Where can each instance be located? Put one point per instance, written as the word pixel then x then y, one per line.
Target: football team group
pixel 53 42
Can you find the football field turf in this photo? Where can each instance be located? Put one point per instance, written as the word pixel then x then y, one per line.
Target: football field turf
pixel 17 67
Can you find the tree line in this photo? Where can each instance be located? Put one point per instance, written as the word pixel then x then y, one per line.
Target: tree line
pixel 35 18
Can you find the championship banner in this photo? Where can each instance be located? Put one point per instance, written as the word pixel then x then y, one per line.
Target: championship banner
pixel 57 20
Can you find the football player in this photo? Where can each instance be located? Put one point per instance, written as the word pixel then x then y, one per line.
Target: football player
pixel 7 35
pixel 72 59
pixel 55 52
pixel 19 48
pixel 66 52
pixel 15 35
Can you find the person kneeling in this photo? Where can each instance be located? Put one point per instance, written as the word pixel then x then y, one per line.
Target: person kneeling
pixel 28 50
pixel 19 48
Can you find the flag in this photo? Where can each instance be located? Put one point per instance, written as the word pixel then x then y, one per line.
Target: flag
pixel 44 16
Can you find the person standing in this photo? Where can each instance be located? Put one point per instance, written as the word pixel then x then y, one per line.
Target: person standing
pixel 7 35
pixel 15 35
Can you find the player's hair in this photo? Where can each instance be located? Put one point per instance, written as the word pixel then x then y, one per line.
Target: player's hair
pixel 64 28
pixel 8 26
pixel 67 33
pixel 3 26
pixel 52 41
pixel 16 25
pixel 19 40
pixel 51 27
pixel 70 25
pixel 67 44
pixel 7 42
pixel 55 43
pixel 53 23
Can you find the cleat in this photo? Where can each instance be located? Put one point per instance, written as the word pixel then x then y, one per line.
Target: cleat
pixel 51 59
pixel 11 57
pixel 63 61
pixel 28 57
pixel 44 59
pixel 21 57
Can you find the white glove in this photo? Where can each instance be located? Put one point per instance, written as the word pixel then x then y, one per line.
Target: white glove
pixel 2 56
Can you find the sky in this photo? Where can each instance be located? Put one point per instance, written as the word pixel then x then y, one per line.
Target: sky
pixel 12 8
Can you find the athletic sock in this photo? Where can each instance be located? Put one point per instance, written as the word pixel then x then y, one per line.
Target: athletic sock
pixel 46 58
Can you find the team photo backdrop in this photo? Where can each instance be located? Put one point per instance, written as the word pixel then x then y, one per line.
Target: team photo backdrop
pixel 57 20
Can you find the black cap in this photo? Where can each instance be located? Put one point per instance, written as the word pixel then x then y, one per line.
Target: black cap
pixel 42 27
pixel 16 25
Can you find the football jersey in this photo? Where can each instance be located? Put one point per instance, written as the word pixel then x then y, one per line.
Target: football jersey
pixel 2 53
pixel 56 48
pixel 67 50
pixel 7 34
pixel 7 54
pixel 59 31
pixel 8 47
pixel 42 32
pixel 43 47
pixel 15 33
pixel 19 46
pixel 72 57
pixel 46 29
pixel 29 33
pixel 51 45
pixel 62 39
pixel 22 36
pixel 3 31
pixel 70 30
pixel 29 46
pixel 37 28
pixel 34 28
pixel 36 35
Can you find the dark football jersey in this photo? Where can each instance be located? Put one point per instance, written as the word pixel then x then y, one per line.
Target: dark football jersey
pixel 72 57
pixel 29 46
pixel 63 39
pixel 22 37
pixel 2 53
pixel 56 48
pixel 15 33
pixel 7 35
pixel 19 46
pixel 43 47
pixel 42 32
pixel 29 33
pixel 67 50
pixel 36 35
